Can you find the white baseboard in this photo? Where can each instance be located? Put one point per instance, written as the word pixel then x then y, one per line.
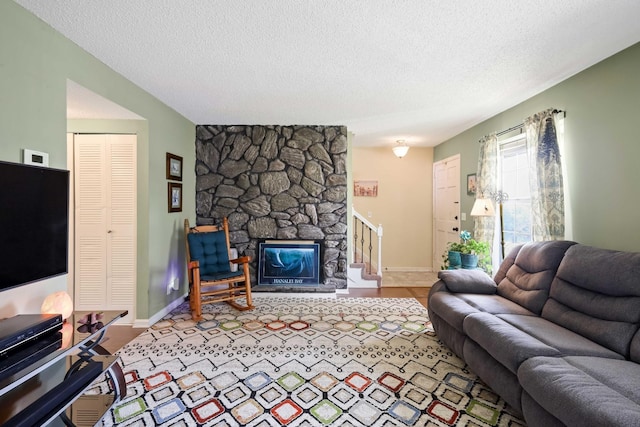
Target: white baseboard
pixel 365 284
pixel 146 323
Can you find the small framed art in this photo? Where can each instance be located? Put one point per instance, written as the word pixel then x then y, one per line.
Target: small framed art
pixel 174 197
pixel 174 167
pixel 363 188
pixel 471 184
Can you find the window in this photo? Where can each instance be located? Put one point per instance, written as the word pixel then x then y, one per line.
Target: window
pixel 513 180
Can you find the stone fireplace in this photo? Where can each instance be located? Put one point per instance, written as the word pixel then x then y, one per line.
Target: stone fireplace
pixel 277 182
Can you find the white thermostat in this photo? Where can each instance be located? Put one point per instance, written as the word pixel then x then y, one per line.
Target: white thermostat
pixel 37 158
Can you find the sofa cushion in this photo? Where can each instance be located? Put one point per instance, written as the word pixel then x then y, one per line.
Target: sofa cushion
pixel 596 293
pixel 634 352
pixel 535 415
pixel 504 342
pixel 567 342
pixel 529 278
pixel 451 337
pixel 584 391
pixel 602 270
pixel 476 281
pixel 453 308
pixel 450 308
pixel 513 338
pixel 492 373
pixel 494 304
pixel 506 264
pixel 619 375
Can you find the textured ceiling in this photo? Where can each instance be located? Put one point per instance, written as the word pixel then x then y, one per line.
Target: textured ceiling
pixel 418 70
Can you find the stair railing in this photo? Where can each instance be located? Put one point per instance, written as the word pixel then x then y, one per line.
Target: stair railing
pixel 364 234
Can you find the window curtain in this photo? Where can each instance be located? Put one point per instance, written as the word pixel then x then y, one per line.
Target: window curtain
pixel 547 195
pixel 487 178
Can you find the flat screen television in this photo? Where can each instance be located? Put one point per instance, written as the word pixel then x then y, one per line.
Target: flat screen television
pixel 34 223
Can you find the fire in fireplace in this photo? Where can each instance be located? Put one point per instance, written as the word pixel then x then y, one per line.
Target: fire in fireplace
pixel 289 262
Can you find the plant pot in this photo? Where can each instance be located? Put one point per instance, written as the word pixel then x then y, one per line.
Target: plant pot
pixel 454 260
pixel 469 261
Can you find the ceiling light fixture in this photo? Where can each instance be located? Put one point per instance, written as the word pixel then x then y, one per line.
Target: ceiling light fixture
pixel 401 148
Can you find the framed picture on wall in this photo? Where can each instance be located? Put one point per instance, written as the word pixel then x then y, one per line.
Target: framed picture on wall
pixel 174 167
pixel 365 188
pixel 471 184
pixel 175 197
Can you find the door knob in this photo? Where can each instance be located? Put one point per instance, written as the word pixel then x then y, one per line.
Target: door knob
pixel 455 228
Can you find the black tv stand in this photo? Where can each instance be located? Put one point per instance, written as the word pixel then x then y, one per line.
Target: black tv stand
pixel 52 387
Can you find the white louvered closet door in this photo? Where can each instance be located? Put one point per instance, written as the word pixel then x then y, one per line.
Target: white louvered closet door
pixel 105 217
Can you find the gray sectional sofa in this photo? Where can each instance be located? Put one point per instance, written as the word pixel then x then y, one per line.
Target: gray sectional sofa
pixel 555 333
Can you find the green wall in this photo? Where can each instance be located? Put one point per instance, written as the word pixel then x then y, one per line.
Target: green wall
pixel 602 152
pixel 35 63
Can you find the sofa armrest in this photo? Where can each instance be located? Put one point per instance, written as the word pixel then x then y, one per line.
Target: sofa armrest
pixel 468 281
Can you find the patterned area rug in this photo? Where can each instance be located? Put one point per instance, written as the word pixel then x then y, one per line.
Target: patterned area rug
pixel 301 361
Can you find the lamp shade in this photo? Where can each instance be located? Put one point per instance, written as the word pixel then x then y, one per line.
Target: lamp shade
pixel 482 207
pixel 400 149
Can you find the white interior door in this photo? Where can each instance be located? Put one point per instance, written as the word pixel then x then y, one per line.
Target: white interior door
pixel 105 222
pixel 446 206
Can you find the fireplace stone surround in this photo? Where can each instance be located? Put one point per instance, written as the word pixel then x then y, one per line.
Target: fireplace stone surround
pixel 277 182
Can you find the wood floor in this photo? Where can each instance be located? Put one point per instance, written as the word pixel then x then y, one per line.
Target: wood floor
pixel 118 336
pixel 419 292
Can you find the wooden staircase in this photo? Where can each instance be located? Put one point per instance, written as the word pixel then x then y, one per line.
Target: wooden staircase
pixel 357 277
pixel 367 254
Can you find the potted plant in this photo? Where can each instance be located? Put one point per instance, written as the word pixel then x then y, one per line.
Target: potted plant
pixel 452 255
pixel 471 253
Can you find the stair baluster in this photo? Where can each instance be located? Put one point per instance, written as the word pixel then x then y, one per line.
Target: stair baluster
pixel 359 255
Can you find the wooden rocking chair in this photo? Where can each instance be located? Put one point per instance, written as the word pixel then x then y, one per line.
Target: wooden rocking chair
pixel 209 269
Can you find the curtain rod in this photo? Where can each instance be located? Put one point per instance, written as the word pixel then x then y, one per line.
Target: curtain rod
pixel 521 125
pixel 511 129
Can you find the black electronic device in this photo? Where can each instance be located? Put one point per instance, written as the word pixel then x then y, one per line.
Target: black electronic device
pixel 26 354
pixel 34 219
pixel 19 330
